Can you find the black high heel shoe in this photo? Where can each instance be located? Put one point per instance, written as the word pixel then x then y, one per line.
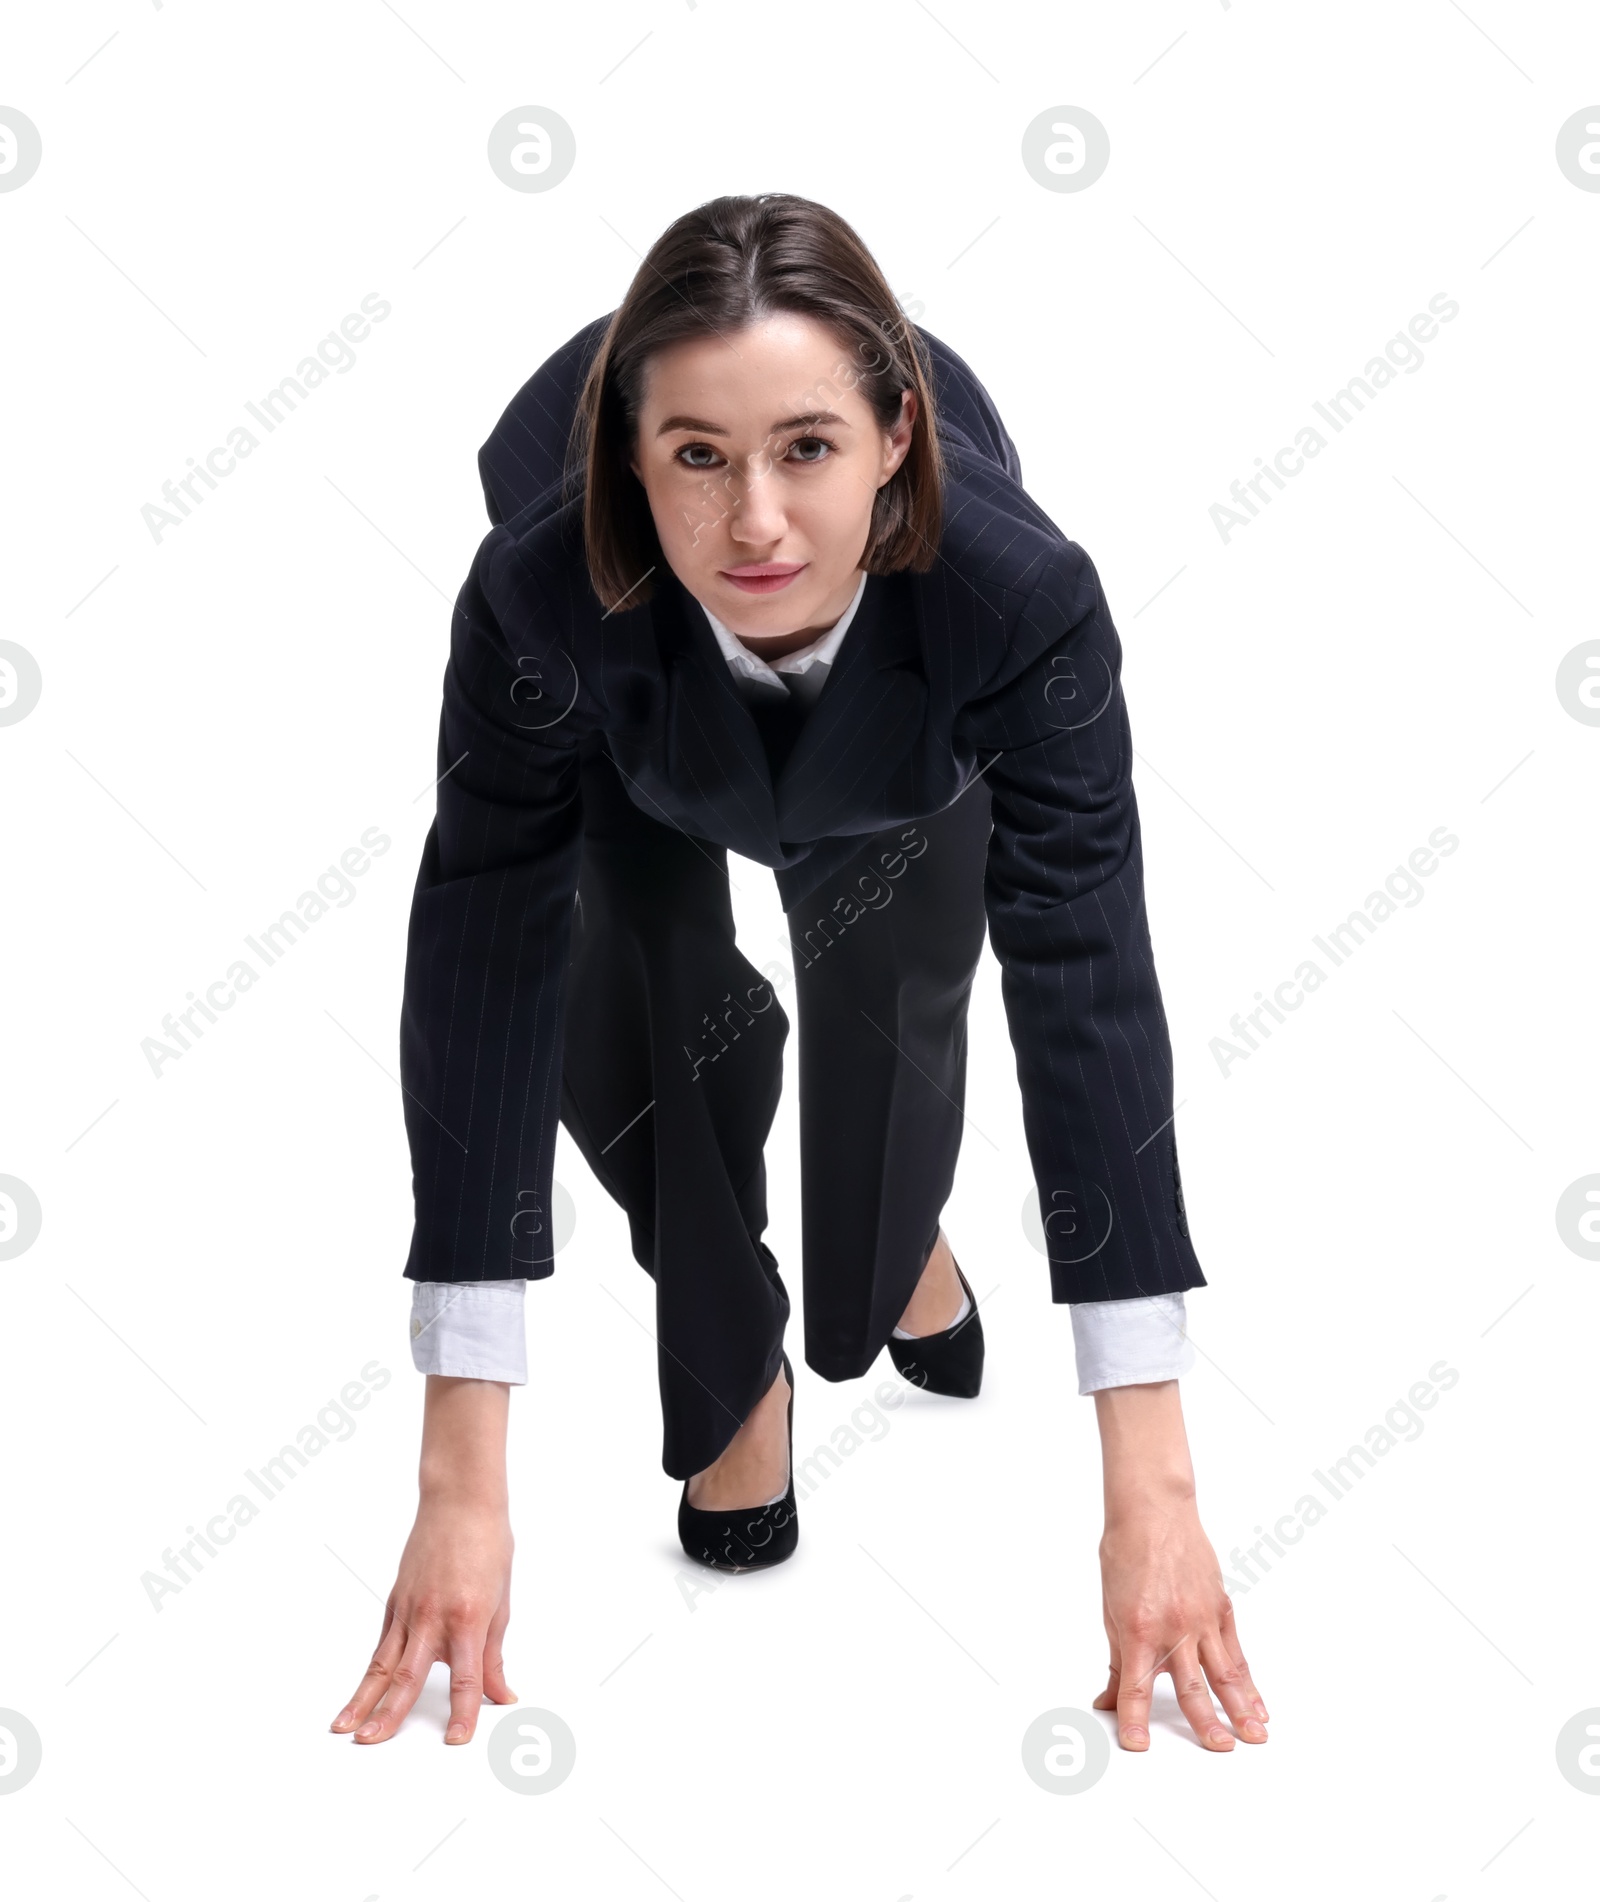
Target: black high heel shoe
pixel 744 1538
pixel 949 1362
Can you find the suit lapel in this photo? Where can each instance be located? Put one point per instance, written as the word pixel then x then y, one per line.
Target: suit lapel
pixel 716 763
pixel 871 708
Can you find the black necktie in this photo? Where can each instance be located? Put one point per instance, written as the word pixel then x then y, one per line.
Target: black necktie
pixel 779 723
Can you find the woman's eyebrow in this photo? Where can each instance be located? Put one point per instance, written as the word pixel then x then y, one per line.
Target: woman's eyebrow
pixel 803 421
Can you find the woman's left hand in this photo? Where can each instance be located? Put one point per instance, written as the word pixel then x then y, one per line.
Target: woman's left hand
pixel 1163 1599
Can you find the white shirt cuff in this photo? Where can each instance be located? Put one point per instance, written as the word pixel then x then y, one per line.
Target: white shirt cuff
pixel 1123 1343
pixel 471 1329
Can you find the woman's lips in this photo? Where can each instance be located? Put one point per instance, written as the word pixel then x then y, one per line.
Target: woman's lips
pixel 763 577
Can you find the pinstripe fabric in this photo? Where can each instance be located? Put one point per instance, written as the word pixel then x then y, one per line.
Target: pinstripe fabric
pixel 1003 660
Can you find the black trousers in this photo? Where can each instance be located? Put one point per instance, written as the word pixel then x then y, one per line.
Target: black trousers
pixel 673 1068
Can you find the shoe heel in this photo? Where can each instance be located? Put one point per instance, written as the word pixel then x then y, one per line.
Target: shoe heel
pixel 745 1538
pixel 949 1362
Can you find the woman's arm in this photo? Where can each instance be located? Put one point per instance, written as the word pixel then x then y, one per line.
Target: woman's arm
pixel 1163 1600
pixel 490 927
pixel 480 1063
pixel 1064 892
pixel 1065 896
pixel 452 1598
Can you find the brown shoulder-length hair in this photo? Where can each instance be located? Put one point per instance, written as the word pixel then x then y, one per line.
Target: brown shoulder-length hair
pixel 728 263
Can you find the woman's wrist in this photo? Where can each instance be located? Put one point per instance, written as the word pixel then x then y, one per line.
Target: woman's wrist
pixel 464 1442
pixel 1144 1448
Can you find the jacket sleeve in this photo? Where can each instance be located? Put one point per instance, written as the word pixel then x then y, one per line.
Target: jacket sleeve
pixel 490 928
pixel 1064 892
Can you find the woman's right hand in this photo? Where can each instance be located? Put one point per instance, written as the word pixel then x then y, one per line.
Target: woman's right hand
pixel 452 1597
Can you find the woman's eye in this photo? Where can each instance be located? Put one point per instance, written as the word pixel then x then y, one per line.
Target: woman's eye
pixel 700 455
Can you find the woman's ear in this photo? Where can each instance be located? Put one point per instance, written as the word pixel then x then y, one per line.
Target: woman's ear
pixel 899 434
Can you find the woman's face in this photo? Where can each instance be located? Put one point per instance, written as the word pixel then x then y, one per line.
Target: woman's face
pixel 761 460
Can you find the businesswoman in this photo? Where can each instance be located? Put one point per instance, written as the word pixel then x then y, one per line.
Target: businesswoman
pixel 763 577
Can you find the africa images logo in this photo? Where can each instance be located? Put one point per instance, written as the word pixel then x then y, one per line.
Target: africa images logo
pixel 1402 888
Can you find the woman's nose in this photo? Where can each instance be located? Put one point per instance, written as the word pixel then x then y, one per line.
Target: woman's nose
pixel 757 514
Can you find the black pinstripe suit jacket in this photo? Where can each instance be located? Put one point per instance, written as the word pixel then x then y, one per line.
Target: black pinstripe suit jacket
pixel 1002 660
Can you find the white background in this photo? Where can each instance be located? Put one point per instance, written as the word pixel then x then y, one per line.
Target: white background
pixel 226 711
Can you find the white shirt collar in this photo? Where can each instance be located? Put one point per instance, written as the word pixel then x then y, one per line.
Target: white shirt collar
pixel 819 653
